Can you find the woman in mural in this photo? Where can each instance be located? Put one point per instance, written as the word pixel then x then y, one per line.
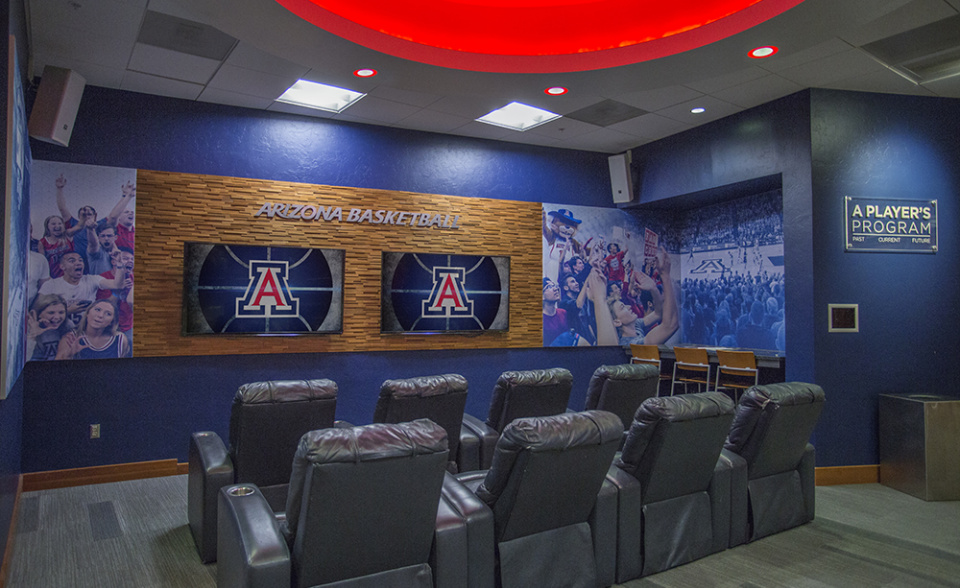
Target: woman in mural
pixel 633 329
pixel 55 243
pixel 47 323
pixel 97 336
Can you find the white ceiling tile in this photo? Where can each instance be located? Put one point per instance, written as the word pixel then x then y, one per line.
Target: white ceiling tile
pixel 95 75
pixel 147 84
pixel 660 98
pixel 714 85
pixel 431 120
pixel 715 109
pixel 829 69
pixel 604 141
pixel 757 92
pixel 247 56
pixel 562 129
pixel 651 126
pixel 165 63
pixel 913 15
pixel 119 19
pixel 882 81
pixel 483 130
pixel 178 9
pixel 377 110
pixel 788 58
pixel 420 99
pixel 253 83
pixel 217 96
pixel 948 87
pixel 83 46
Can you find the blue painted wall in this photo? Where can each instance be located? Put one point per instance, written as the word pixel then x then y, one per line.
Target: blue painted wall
pixel 147 407
pixel 825 145
pixel 883 146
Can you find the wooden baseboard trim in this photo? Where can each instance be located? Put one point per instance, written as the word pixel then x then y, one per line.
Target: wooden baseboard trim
pixel 835 476
pixel 11 532
pixel 102 474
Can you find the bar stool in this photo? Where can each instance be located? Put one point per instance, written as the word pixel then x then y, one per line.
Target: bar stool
pixel 692 366
pixel 737 370
pixel 649 354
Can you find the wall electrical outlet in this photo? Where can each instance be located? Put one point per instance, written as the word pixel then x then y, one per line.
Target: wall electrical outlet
pixel 95 431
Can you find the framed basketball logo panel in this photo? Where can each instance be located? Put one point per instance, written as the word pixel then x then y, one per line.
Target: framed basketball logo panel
pixel 444 293
pixel 252 289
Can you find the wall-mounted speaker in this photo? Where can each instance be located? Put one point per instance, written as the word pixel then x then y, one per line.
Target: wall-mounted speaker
pixel 55 109
pixel 620 180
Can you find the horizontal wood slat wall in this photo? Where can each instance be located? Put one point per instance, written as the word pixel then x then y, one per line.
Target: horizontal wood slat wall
pixel 173 208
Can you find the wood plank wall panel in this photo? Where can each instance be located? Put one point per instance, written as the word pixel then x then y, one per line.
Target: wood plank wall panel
pixel 173 208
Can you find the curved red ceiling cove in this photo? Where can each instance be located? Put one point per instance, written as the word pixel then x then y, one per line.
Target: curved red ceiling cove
pixel 535 36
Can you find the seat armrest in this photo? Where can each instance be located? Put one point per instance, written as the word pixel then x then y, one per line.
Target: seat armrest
pixel 210 468
pixel 463 554
pixel 629 524
pixel 484 436
pixel 739 499
pixel 603 526
pixel 808 480
pixel 721 500
pixel 251 550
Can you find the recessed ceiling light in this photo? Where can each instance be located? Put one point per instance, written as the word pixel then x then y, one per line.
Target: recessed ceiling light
pixel 761 52
pixel 556 90
pixel 319 96
pixel 698 110
pixel 518 116
pixel 365 73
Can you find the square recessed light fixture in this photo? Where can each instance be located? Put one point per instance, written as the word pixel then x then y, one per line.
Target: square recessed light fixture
pixel 518 117
pixel 319 96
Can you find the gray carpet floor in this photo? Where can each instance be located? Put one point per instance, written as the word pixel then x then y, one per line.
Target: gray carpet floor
pixel 135 534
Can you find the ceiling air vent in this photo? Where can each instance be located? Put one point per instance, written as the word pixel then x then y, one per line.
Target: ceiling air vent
pixel 185 36
pixel 606 113
pixel 925 54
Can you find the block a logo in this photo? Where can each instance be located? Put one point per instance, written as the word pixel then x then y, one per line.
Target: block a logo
pixel 268 294
pixel 448 298
pixel 709 266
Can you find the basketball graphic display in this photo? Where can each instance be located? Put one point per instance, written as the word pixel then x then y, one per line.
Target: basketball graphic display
pixel 261 290
pixel 444 293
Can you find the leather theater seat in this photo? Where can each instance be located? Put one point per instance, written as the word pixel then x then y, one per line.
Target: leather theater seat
pixel 674 486
pixel 621 389
pixel 267 420
pixel 554 515
pixel 771 432
pixel 367 507
pixel 517 394
pixel 438 398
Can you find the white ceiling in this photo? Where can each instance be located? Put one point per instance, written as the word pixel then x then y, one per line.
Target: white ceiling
pixel 820 46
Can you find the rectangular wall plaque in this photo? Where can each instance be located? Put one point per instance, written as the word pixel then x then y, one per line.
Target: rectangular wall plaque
pixel 890 224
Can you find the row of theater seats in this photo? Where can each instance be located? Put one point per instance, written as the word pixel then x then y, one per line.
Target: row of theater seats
pixel 267 420
pixel 377 505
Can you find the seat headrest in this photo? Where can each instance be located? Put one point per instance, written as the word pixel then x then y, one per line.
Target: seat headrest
pixel 285 391
pixel 536 377
pixel 562 431
pixel 425 385
pixel 627 371
pixel 767 398
pixel 372 442
pixel 685 407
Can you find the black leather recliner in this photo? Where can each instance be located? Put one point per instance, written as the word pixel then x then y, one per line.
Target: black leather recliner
pixel 517 394
pixel 438 398
pixel 267 420
pixel 621 389
pixel 367 507
pixel 771 432
pixel 554 515
pixel 673 483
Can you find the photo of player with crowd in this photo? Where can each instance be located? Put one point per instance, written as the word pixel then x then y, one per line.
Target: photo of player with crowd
pixel 606 280
pixel 80 262
pixel 712 276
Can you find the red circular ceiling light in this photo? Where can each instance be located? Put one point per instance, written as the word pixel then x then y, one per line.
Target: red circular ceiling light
pixel 535 36
pixel 556 91
pixel 763 52
pixel 365 73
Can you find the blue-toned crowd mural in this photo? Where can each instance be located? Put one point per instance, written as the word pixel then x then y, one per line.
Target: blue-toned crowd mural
pixel 710 276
